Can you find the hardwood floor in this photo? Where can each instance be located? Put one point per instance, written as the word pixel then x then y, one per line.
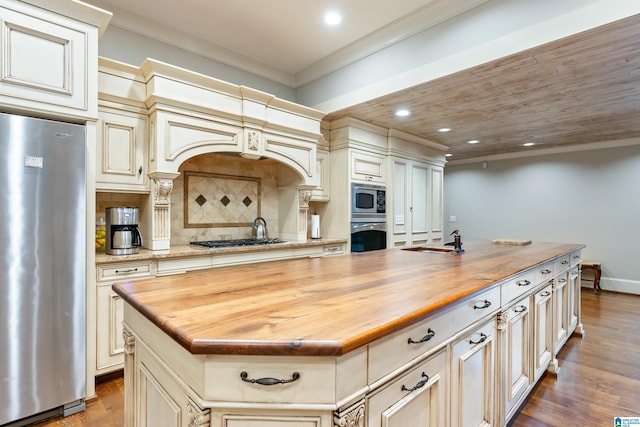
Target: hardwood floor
pixel 599 377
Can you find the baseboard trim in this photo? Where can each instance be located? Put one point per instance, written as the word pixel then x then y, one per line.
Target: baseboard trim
pixel 616 285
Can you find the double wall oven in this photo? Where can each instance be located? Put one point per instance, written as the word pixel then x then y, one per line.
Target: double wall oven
pixel 368 217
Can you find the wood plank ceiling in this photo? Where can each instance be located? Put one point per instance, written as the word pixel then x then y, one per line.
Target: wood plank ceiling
pixel 578 90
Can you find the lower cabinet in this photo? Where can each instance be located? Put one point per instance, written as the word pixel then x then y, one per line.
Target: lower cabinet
pixel 109 342
pixel 417 398
pixel 472 377
pixel 542 330
pixel 514 365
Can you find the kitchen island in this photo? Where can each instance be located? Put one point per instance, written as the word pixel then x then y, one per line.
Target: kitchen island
pixel 366 339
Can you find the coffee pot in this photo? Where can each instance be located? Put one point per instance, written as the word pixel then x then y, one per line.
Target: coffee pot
pixel 259 227
pixel 122 232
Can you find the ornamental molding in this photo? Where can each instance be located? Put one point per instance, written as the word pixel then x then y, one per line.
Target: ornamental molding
pixel 198 417
pixel 351 417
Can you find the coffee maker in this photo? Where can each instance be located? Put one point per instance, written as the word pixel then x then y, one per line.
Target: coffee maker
pixel 122 232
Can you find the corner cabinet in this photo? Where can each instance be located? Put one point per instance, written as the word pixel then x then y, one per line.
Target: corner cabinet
pixel 48 59
pixel 414 203
pixel 122 141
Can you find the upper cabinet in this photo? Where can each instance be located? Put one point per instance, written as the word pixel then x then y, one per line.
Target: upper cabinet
pixel 121 144
pixel 49 59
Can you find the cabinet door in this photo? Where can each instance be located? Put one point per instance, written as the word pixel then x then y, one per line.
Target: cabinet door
pixel 47 61
pixel 561 308
pixel 542 330
pixel 472 378
pixel 368 167
pixel 417 398
pixel 516 357
pixel 420 208
pixel 109 344
pixel 121 142
pixel 574 299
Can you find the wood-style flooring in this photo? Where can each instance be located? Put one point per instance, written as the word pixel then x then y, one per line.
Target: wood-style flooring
pixel 599 377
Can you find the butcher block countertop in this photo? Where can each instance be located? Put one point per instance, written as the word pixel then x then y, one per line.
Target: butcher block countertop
pixel 323 306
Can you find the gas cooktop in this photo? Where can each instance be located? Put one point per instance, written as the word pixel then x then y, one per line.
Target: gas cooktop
pixel 236 242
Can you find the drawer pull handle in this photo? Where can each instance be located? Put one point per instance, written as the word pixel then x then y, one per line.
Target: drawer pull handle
pixel 576 257
pixel 128 270
pixel 520 309
pixel 562 280
pixel 268 381
pixel 564 262
pixel 545 294
pixel 485 304
pixel 483 338
pixel 420 383
pixel 546 271
pixel 523 282
pixel 430 334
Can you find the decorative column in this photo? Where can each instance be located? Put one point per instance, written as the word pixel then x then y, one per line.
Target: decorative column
pixel 129 377
pixel 293 206
pixel 156 215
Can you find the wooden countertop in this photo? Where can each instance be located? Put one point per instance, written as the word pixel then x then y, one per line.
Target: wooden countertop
pixel 322 306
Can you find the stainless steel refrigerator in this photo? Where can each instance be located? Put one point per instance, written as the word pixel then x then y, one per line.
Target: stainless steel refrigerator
pixel 42 268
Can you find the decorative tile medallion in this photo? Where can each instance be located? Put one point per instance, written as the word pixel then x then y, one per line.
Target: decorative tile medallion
pixel 238 196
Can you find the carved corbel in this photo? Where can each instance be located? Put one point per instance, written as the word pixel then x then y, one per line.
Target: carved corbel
pixel 198 417
pixel 303 198
pixel 163 188
pixel 350 417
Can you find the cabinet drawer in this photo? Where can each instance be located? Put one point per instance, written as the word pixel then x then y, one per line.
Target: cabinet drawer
pixel 337 249
pixel 517 286
pixel 575 258
pixel 125 271
pixel 561 264
pixel 477 308
pixel 394 351
pixel 543 273
pixel 265 380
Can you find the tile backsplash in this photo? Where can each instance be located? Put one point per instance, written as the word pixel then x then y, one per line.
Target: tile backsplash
pixel 234 191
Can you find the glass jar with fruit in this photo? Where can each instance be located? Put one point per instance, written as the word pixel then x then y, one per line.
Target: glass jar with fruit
pixel 101 233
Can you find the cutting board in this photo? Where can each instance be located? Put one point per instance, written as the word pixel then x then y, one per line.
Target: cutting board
pixel 511 242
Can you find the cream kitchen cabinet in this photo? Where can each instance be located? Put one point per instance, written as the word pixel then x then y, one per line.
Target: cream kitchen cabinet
pixel 473 377
pixel 416 398
pixel 368 167
pixel 542 330
pixel 515 366
pixel 49 59
pixel 109 311
pixel 122 143
pixel 415 202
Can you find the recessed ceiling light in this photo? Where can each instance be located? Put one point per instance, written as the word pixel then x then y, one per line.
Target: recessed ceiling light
pixel 332 18
pixel 448 155
pixel 403 112
pixel 473 141
pixel 528 144
pixel 444 130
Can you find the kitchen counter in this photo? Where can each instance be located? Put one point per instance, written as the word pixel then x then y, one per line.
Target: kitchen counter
pixel 185 251
pixel 324 306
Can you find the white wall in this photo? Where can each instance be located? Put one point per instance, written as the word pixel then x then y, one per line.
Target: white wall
pixel 590 197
